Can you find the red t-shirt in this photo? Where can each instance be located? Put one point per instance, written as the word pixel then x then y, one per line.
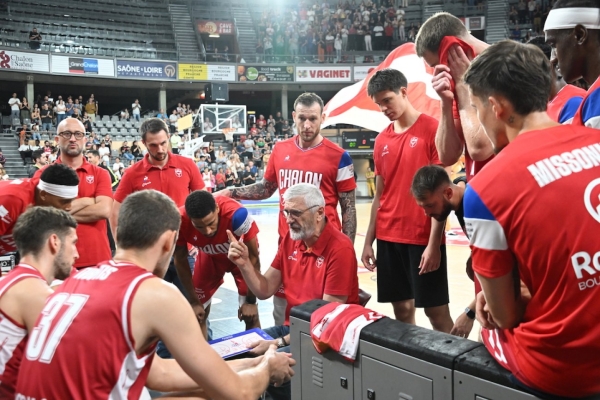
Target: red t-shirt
pixel 232 216
pixel 13 335
pixel 176 179
pixel 398 156
pixel 564 105
pixel 15 197
pixel 325 165
pixel 92 245
pixel 82 345
pixel 511 209
pixel 328 267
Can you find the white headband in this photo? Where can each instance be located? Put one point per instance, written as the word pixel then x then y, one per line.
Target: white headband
pixel 64 191
pixel 567 18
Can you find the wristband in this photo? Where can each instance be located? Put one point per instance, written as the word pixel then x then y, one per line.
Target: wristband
pixel 470 313
pixel 252 301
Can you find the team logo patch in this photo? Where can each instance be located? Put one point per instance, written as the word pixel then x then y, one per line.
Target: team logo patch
pixel 178 173
pixel 591 199
pixel 89 179
pixel 287 158
pixel 320 261
pixel 385 150
pixel 413 141
pixel 293 256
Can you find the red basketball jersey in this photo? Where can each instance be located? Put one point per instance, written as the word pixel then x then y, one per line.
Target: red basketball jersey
pixel 82 346
pixel 13 336
pixel 325 165
pixel 15 197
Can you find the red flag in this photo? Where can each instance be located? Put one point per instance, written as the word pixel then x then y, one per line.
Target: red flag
pixel 352 105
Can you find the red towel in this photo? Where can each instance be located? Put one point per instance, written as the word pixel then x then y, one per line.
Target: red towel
pixel 449 41
pixel 337 326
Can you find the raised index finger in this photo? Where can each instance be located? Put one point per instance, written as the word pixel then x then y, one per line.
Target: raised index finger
pixel 232 238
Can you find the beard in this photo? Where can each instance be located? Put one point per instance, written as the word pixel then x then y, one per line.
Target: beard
pixel 301 233
pixel 62 266
pixel 71 152
pixel 445 212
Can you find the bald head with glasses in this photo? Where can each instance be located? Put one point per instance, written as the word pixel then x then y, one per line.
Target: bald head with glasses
pixel 70 135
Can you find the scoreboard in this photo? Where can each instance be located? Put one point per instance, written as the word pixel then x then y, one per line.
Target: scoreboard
pixel 363 140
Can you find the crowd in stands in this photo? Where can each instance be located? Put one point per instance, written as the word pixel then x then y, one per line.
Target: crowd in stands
pixel 322 32
pixel 527 18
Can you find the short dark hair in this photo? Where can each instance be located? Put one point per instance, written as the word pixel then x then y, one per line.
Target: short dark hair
pixel 95 153
pixel 308 99
pixel 540 42
pixel 427 180
pixel 386 79
pixel 153 126
pixel 519 72
pixel 434 30
pixel 135 229
pixel 60 174
pixel 36 155
pixel 199 204
pixel 35 225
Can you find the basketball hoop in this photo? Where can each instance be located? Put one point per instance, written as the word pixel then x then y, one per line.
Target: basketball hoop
pixel 228 133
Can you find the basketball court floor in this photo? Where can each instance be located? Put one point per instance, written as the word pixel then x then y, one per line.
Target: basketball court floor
pixel 223 316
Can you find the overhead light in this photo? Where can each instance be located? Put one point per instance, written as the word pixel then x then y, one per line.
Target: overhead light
pixel 214 35
pixel 66 15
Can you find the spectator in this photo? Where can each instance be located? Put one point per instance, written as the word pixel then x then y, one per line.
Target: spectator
pixel 257 157
pixel 47 148
pixel 46 116
pixel 522 9
pixel 266 157
pixel 117 165
pixel 175 141
pixel 204 153
pixel 34 39
pixel 2 158
pixel 104 153
pixel 3 175
pixel 77 114
pixel 161 114
pixel 173 118
pixel 108 142
pixel 136 109
pixel 35 132
pixel 516 33
pixel 285 129
pixel 40 159
pixel 249 177
pixel 221 158
pixel 77 106
pixel 124 115
pixel 23 135
pixel 25 111
pixel 70 107
pixel 220 180
pixel 248 148
pixel 91 108
pixel 35 115
pixel 25 152
pixel 229 177
pixel 61 110
pixel 135 150
pixel 202 164
pixel 513 15
pixel 207 178
pixel 338 48
pixel 240 148
pixel 126 152
pixel 15 108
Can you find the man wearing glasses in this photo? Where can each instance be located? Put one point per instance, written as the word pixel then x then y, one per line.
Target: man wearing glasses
pixel 315 260
pixel 93 204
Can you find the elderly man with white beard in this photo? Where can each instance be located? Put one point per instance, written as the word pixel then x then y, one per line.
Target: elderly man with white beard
pixel 314 261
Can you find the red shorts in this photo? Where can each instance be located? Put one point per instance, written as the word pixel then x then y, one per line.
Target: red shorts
pixel 209 273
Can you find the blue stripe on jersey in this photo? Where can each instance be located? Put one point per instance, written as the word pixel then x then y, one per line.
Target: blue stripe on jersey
pixel 591 109
pixel 483 230
pixel 345 161
pixel 569 109
pixel 241 221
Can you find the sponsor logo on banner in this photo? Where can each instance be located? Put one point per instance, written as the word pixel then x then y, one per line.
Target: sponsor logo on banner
pixel 21 61
pixel 204 72
pixel 146 69
pixel 323 74
pixel 83 66
pixel 218 27
pixel 361 72
pixel 264 73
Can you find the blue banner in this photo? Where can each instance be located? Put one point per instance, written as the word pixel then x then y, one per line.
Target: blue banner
pixel 147 69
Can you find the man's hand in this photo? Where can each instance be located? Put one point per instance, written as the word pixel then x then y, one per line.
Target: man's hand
pixel 223 192
pixel 458 63
pixel 280 366
pixel 368 257
pixel 238 251
pixel 199 311
pixel 249 314
pixel 483 313
pixel 430 260
pixel 260 347
pixel 441 82
pixel 462 326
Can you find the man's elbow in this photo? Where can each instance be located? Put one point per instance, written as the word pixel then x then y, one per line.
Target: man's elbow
pixel 449 159
pixel 480 153
pixel 508 322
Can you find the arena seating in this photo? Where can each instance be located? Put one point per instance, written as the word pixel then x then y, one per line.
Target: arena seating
pixel 396 361
pixel 112 28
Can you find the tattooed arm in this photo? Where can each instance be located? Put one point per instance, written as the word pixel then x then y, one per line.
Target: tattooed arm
pixel 257 191
pixel 348 205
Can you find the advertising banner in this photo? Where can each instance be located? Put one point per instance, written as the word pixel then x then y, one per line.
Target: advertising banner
pixel 216 27
pixel 361 72
pixel 265 73
pixel 147 69
pixel 83 66
pixel 323 74
pixel 21 61
pixel 204 72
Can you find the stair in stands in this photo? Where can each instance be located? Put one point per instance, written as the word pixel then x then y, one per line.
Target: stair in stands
pixel 188 46
pixel 245 25
pixel 14 165
pixel 496 21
